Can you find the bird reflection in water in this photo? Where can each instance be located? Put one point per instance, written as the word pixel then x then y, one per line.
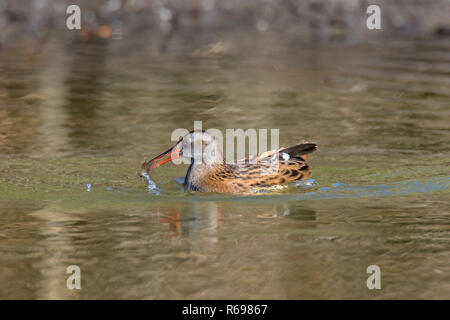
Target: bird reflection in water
pixel 205 217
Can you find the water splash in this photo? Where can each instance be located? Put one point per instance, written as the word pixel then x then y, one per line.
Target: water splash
pixel 305 183
pixel 152 187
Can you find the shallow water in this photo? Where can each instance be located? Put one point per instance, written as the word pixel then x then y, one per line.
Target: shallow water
pixel 77 120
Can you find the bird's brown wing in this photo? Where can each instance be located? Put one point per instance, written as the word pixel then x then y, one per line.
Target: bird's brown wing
pixel 266 173
pixel 245 176
pixel 271 168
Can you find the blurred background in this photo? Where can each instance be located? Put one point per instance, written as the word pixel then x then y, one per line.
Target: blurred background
pixel 191 20
pixel 80 110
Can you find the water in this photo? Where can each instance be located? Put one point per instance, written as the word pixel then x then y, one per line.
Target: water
pixel 77 120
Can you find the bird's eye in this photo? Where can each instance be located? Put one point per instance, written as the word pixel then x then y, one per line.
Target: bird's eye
pixel 206 139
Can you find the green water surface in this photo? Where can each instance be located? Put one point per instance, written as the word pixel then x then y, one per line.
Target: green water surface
pixel 90 113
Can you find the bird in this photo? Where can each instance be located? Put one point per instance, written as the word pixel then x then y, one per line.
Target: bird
pixel 208 172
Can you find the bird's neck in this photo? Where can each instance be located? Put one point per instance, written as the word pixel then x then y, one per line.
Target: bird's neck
pixel 197 171
pixel 211 158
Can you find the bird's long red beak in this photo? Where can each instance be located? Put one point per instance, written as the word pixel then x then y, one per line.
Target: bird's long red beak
pixel 164 157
